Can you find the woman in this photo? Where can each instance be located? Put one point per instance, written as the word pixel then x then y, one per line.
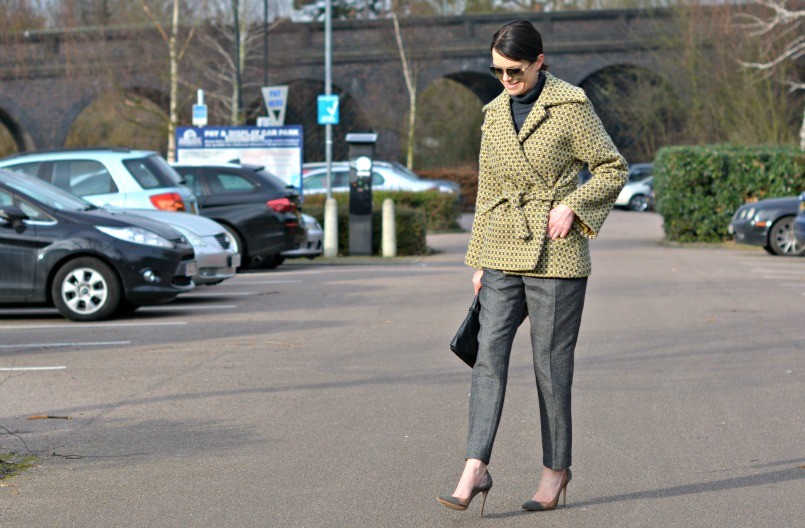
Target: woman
pixel 529 244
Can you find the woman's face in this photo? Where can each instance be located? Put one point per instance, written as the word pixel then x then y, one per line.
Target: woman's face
pixel 526 81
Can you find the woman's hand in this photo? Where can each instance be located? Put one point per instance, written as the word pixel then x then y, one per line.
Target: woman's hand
pixel 560 220
pixel 476 280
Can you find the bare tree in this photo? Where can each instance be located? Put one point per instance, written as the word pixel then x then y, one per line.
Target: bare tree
pixel 175 55
pixel 410 85
pixel 228 41
pixel 780 30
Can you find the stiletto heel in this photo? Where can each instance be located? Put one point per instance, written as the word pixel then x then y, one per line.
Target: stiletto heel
pixel 483 503
pixel 532 505
pixel 454 503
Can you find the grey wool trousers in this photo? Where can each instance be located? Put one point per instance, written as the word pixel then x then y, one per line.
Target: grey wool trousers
pixel 554 308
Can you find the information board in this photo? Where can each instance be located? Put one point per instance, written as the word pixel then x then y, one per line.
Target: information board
pixel 278 149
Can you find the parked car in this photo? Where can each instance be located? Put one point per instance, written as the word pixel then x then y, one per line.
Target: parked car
pixel 216 261
pixel 116 177
pixel 259 210
pixel 635 194
pixel 768 223
pixel 89 263
pixel 386 176
pixel 216 257
pixel 799 222
pixel 312 246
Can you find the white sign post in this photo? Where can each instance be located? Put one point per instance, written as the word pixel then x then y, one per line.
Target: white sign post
pixel 276 99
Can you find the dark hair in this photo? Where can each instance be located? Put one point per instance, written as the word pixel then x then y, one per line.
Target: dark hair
pixel 518 40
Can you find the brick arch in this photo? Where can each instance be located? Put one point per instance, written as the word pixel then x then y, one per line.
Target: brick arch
pixel 15 125
pixel 482 85
pixel 79 105
pixel 644 90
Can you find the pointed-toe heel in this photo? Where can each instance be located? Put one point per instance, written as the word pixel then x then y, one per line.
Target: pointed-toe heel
pixel 532 505
pixel 454 503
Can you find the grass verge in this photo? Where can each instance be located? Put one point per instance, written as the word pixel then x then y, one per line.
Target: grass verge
pixel 12 463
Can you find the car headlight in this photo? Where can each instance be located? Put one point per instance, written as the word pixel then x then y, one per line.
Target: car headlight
pixel 194 239
pixel 136 235
pixel 230 241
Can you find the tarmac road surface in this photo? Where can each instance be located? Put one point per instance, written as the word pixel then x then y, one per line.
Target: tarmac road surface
pixel 324 395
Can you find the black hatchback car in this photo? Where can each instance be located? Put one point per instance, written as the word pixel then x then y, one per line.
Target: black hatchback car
pixel 59 250
pixel 258 209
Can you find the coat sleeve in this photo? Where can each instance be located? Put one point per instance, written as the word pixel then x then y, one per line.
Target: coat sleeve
pixel 591 144
pixel 488 191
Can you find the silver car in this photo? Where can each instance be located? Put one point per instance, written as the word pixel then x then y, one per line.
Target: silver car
pixel 215 254
pixel 311 247
pixel 113 177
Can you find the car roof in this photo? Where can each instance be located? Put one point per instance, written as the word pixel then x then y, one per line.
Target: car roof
pixel 70 153
pixel 219 164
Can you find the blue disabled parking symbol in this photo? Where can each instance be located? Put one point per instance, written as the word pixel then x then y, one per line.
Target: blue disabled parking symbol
pixel 328 109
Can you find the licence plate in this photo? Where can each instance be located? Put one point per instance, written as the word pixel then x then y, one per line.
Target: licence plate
pixel 233 261
pixel 191 268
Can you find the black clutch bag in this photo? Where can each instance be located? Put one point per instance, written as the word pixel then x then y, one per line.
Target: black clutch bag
pixel 465 342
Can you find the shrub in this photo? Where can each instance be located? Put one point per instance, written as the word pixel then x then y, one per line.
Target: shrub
pixel 699 188
pixel 440 209
pixel 410 227
pixel 464 175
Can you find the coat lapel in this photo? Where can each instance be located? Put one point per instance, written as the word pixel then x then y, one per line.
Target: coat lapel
pixel 535 117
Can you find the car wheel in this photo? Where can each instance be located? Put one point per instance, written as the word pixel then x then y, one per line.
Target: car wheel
pixel 86 289
pixel 237 246
pixel 781 239
pixel 273 262
pixel 639 203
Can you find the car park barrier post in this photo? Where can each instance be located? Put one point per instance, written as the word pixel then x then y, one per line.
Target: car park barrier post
pixel 389 229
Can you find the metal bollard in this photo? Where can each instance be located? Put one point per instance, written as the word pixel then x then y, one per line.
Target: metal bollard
pixel 389 229
pixel 330 228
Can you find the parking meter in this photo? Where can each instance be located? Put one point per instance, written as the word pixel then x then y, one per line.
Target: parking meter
pixel 361 149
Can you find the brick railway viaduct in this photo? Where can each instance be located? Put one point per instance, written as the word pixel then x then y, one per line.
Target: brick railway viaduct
pixel 48 77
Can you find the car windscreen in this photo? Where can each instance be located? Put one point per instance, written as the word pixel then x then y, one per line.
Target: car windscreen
pixel 152 172
pixel 277 183
pixel 405 172
pixel 48 194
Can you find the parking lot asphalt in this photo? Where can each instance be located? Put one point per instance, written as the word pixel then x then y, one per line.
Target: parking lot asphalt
pixel 326 396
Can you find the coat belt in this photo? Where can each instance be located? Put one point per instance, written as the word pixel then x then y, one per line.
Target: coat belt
pixel 517 199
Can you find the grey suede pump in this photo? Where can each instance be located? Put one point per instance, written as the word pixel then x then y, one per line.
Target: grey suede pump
pixel 456 504
pixel 532 505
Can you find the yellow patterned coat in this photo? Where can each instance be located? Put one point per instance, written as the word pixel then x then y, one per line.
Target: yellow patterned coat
pixel 523 175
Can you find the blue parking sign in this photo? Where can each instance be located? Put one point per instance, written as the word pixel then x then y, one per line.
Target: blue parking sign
pixel 328 109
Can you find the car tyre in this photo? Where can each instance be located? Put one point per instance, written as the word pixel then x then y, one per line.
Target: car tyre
pixel 639 203
pixel 781 239
pixel 86 289
pixel 274 261
pixel 126 308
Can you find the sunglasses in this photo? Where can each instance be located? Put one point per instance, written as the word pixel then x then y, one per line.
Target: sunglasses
pixel 515 74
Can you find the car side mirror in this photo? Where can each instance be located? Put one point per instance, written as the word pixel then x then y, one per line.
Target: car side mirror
pixel 13 215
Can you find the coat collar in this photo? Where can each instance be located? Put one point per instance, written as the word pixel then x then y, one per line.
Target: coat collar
pixel 555 92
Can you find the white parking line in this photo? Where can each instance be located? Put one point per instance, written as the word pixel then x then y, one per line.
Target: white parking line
pixel 215 294
pixel 17 369
pixel 779 271
pixel 67 325
pixel 250 283
pixel 38 345
pixel 179 306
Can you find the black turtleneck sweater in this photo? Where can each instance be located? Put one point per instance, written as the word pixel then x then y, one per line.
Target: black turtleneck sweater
pixel 522 104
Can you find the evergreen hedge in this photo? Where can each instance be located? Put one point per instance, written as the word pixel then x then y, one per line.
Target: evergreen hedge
pixel 698 188
pixel 411 227
pixel 440 209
